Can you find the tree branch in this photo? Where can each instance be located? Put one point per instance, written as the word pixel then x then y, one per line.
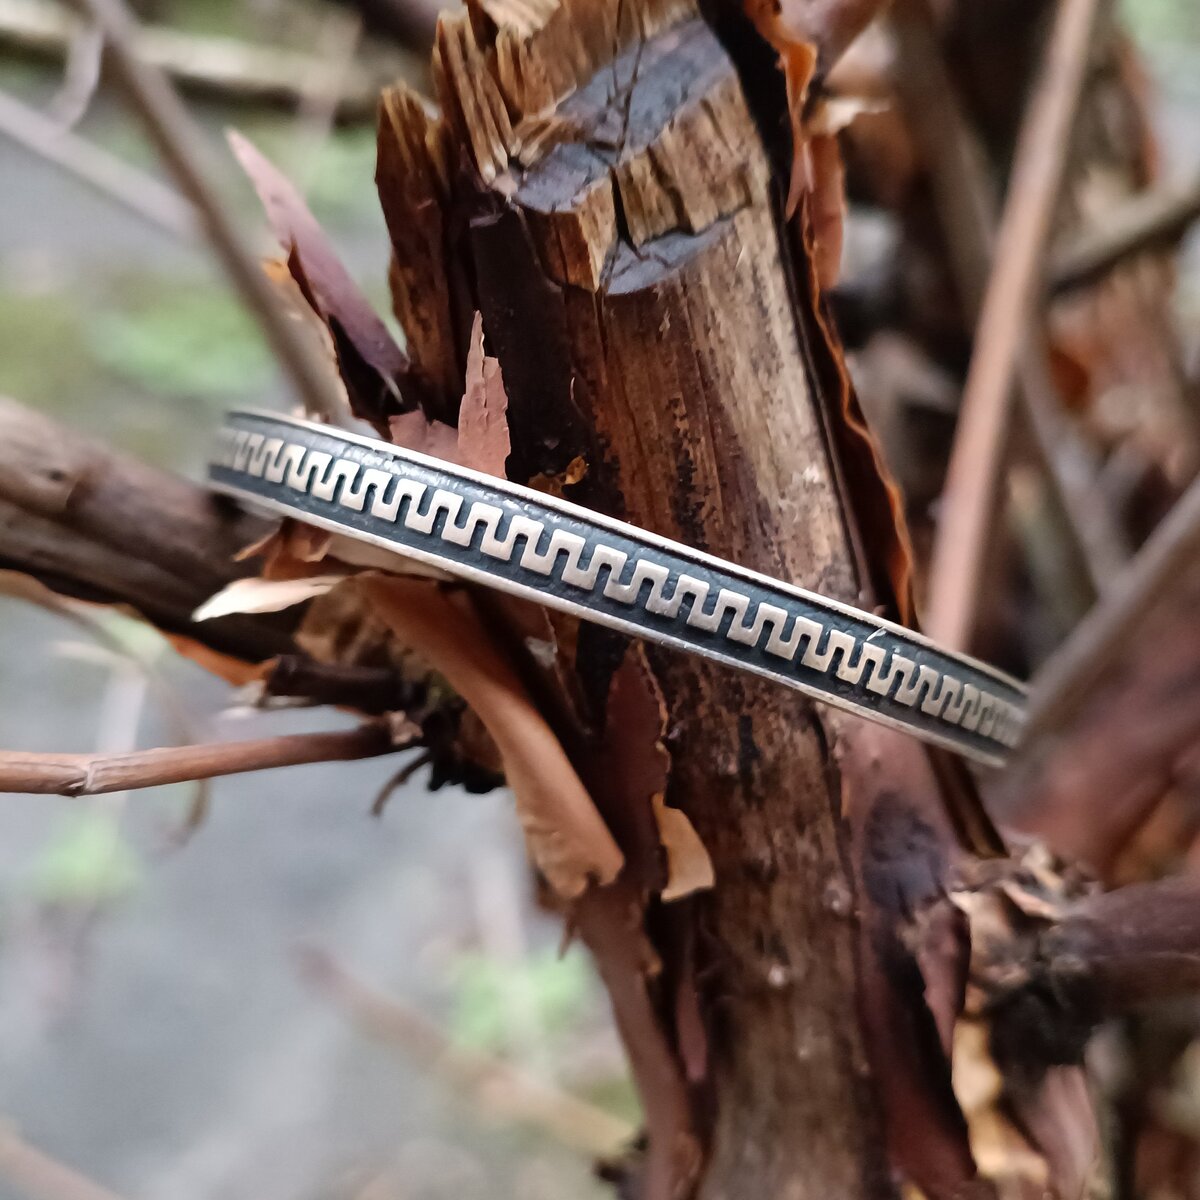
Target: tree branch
pixel 981 438
pixel 1148 220
pixel 221 67
pixel 1138 943
pixel 94 774
pixel 966 207
pixel 173 134
pixel 98 525
pixel 107 174
pixel 1112 625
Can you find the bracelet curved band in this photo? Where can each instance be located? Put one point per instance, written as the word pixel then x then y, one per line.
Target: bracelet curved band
pixel 502 535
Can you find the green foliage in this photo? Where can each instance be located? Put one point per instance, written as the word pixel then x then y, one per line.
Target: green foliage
pixel 557 988
pixel 39 333
pixel 1163 20
pixel 87 861
pixel 172 340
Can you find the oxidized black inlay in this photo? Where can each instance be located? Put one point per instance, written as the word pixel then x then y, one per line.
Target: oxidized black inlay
pixel 510 537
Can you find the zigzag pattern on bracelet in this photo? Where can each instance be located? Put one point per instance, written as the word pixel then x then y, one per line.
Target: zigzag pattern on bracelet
pixel 651 588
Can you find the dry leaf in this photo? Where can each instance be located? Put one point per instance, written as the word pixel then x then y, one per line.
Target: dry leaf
pixel 830 24
pixel 290 551
pixel 264 595
pixel 293 550
pixel 1031 1135
pixel 372 365
pixel 795 31
pixel 567 839
pixel 827 205
pixel 798 60
pixel 689 868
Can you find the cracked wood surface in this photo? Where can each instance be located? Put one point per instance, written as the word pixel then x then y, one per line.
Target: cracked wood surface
pixel 617 231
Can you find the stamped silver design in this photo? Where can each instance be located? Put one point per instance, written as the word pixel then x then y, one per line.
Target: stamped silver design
pixel 513 538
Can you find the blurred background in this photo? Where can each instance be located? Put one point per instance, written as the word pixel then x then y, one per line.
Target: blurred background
pixel 195 1020
pixel 297 1000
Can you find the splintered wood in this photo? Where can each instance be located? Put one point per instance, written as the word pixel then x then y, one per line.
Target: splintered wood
pixel 540 99
pixel 594 184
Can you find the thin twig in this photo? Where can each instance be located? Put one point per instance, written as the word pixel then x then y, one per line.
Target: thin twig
pixel 966 207
pixel 1109 629
pixel 222 67
pixel 1149 219
pixel 93 774
pixel 81 76
pixel 981 439
pixel 180 143
pixel 134 190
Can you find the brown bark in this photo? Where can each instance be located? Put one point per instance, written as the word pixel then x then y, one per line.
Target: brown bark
pixel 98 525
pixel 654 320
pixel 681 370
pixel 598 186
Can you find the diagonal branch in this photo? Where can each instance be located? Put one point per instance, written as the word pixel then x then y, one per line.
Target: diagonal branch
pixel 1148 220
pixel 178 141
pixel 107 174
pixel 1110 628
pixel 980 442
pixel 966 209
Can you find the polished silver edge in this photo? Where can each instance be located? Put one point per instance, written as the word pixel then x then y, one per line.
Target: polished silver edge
pixel 517 492
pixel 934 729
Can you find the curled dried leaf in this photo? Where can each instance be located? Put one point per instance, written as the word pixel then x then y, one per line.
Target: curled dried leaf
pixel 264 595
pixel 827 205
pixel 1032 1131
pixel 798 61
pixel 567 838
pixel 373 366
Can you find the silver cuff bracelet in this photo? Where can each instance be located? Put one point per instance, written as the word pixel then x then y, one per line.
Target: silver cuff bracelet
pixel 518 540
